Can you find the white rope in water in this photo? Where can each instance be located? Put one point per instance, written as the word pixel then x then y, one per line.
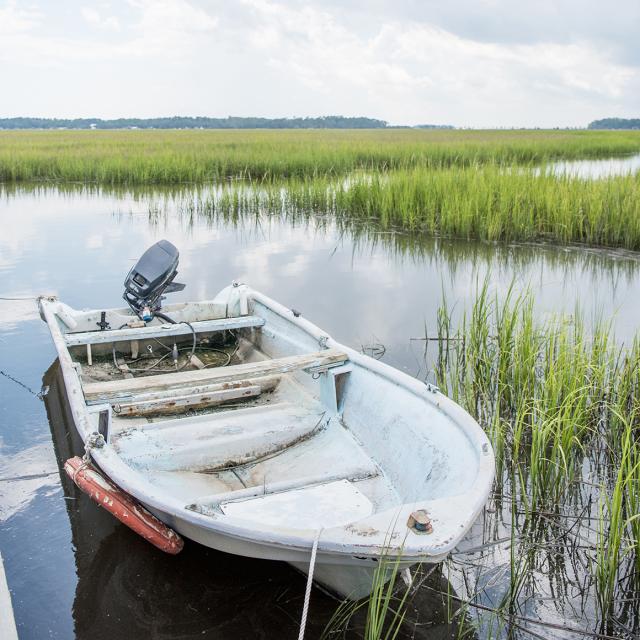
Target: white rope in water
pixel 307 593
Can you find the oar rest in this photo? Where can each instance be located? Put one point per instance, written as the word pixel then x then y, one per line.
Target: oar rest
pixel 184 388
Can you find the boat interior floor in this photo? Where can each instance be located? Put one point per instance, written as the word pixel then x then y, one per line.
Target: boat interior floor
pixel 280 453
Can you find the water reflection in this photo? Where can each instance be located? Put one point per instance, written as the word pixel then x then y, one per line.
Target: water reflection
pixel 24 475
pixel 595 169
pixel 358 283
pixel 365 237
pixel 361 285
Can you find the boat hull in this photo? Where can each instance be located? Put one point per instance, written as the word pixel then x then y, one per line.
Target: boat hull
pixel 425 453
pixel 344 576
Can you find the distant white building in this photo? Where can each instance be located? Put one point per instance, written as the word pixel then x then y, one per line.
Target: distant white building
pixel 93 125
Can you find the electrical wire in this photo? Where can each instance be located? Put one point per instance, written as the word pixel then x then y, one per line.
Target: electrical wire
pixel 193 331
pixel 226 354
pixel 137 370
pixel 150 368
pixel 162 344
pixel 229 355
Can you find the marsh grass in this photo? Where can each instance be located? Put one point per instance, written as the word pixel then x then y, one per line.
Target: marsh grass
pixel 385 606
pixel 485 185
pixel 559 399
pixel 482 202
pixel 173 157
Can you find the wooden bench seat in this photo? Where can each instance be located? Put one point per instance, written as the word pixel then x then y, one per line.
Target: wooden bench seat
pixel 179 400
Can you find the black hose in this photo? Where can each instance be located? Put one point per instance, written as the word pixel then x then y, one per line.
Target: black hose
pixel 166 318
pixel 148 369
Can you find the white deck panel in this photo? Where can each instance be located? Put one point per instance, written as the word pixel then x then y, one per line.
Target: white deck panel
pixel 214 440
pixel 326 505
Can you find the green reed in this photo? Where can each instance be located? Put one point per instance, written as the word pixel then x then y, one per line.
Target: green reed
pixel 539 385
pixel 385 608
pixel 557 397
pixel 483 202
pixel 173 157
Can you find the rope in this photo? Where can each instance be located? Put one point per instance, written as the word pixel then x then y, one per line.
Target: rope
pixel 85 465
pixel 40 395
pixel 307 593
pixel 94 440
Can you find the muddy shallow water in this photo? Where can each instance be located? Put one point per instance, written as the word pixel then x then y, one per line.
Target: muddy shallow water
pixel 73 571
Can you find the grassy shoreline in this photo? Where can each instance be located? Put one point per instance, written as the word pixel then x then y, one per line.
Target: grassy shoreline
pixel 178 156
pixel 485 203
pixel 484 185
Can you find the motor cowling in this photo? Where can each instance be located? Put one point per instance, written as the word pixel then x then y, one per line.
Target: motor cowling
pixel 151 277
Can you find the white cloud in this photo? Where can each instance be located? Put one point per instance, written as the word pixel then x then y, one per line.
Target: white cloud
pixel 404 66
pixel 320 51
pixel 164 29
pixel 287 57
pixel 15 20
pixel 94 18
pixel 167 27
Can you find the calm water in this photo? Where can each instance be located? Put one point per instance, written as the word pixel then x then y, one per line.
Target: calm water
pixel 597 168
pixel 72 569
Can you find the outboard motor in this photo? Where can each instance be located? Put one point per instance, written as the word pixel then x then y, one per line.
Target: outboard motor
pixel 151 277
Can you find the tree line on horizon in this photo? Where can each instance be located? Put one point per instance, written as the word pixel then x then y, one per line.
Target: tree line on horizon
pixel 202 122
pixel 186 122
pixel 615 123
pixel 238 122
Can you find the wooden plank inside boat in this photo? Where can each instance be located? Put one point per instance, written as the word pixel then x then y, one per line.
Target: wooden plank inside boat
pixel 267 383
pixel 114 389
pixel 179 404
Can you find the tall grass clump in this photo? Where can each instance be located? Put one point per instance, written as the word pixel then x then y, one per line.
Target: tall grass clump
pixel 559 399
pixel 618 543
pixel 485 202
pixel 173 157
pixel 384 610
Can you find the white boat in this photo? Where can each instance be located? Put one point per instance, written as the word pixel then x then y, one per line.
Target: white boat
pixel 298 440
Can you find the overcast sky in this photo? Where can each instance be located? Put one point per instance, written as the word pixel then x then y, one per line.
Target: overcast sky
pixel 480 63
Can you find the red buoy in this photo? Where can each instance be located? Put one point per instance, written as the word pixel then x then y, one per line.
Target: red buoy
pixel 120 504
